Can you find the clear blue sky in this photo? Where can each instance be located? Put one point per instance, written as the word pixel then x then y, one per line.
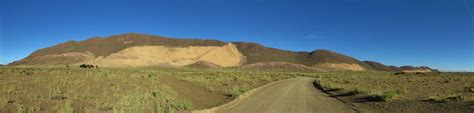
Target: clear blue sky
pixel 435 33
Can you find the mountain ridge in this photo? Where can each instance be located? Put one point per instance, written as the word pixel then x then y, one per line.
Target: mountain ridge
pixel 92 49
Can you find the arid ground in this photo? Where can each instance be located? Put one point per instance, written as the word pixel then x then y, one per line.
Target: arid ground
pixel 74 89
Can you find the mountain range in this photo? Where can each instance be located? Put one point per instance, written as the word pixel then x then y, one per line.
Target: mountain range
pixel 140 50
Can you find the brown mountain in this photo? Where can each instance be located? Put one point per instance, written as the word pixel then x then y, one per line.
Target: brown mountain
pixel 139 50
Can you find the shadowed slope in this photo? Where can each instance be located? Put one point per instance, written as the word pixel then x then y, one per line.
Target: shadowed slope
pixel 279 66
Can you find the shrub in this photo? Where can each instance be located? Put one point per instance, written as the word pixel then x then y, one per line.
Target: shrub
pixel 152 75
pixel 88 66
pixel 445 98
pixel 358 91
pixel 454 98
pixel 400 73
pixel 387 96
pixel 181 106
pixel 325 87
pixel 317 83
pixel 469 89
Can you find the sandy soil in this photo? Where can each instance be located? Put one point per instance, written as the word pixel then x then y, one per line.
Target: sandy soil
pixel 225 56
pixel 340 66
pixel 200 97
pixel 417 71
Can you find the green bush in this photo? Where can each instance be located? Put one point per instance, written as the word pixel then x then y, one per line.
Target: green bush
pixel 182 106
pixel 387 96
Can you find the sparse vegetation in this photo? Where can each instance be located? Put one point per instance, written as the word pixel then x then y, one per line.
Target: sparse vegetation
pixel 55 89
pixel 447 98
pixel 326 86
pixel 410 87
pixel 105 89
pixel 386 90
pixel 358 91
pixel 387 96
pixel 60 89
pixel 233 82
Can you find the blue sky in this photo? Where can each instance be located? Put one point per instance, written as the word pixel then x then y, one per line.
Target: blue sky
pixel 435 33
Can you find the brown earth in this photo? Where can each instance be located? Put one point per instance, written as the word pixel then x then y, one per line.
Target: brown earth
pixel 203 65
pixel 200 97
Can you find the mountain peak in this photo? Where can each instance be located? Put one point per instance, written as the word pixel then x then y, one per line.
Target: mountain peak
pixel 327 56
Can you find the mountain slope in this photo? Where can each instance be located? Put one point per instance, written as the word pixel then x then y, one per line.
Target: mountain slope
pixel 335 61
pixel 279 66
pixel 139 56
pixel 382 67
pixel 106 46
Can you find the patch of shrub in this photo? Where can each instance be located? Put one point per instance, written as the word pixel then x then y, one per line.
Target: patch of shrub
pixel 317 84
pixel 385 97
pixel 445 98
pixel 152 75
pixel 325 87
pixel 88 66
pixel 469 89
pixel 181 106
pixel 26 72
pixel 454 98
pixel 333 88
pixel 58 98
pixel 400 73
pixel 358 91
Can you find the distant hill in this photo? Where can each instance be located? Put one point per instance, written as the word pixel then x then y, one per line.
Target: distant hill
pixel 136 50
pixel 382 67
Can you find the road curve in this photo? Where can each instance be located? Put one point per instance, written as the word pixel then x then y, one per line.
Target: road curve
pixel 296 95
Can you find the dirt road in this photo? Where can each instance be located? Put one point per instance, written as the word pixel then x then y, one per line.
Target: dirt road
pixel 288 96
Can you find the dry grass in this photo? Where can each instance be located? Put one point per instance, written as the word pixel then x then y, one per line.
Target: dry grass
pixel 140 89
pixel 234 82
pixel 116 89
pixel 85 90
pixel 400 87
